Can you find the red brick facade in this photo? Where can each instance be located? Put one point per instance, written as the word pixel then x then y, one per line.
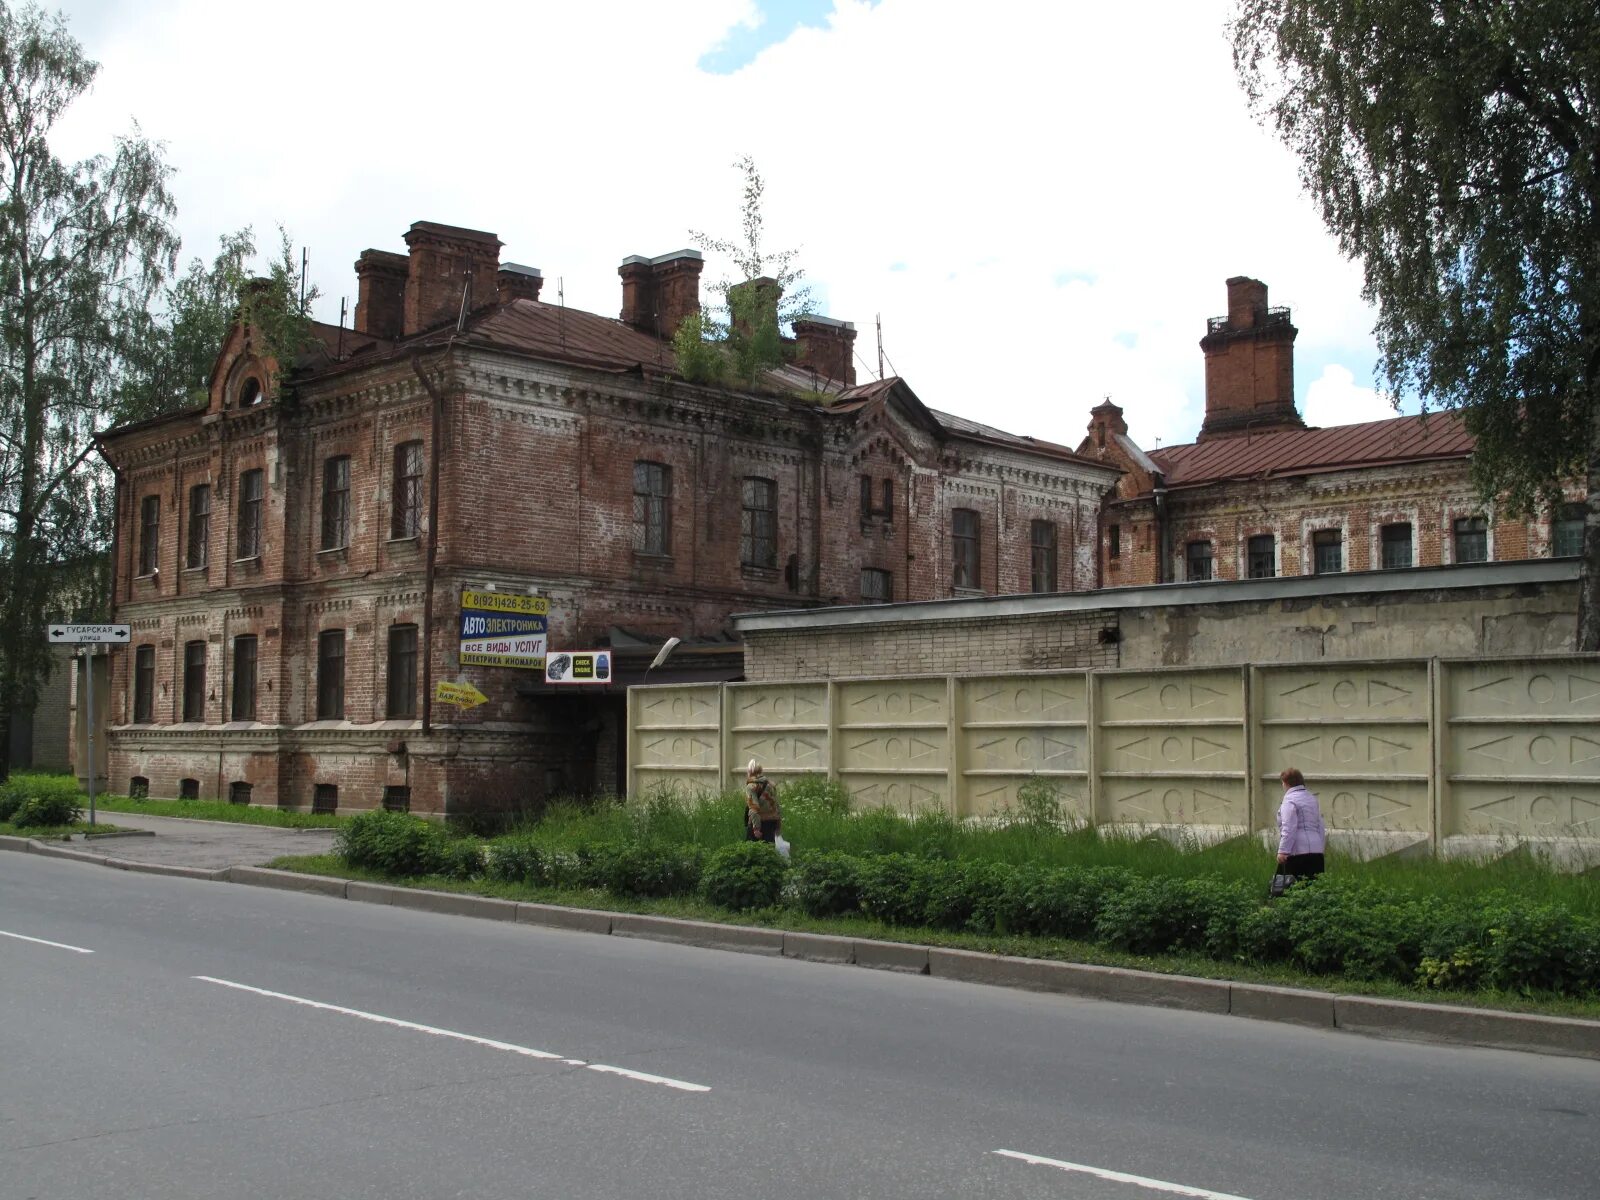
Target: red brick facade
pixel 754 500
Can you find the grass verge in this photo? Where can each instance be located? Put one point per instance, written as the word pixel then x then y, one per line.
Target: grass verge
pixel 218 810
pixel 1197 966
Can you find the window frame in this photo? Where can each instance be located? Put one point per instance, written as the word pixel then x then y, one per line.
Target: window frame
pixel 966 550
pixel 197 556
pixel 400 679
pixel 252 495
pixel 1327 539
pixel 1255 556
pixel 1114 541
pixel 325 798
pixel 1191 558
pixel 245 652
pixel 1462 528
pixel 1043 558
pixel 652 508
pixel 405 497
pixel 241 791
pixel 330 686
pixel 877 575
pixel 1386 543
pixel 149 535
pixel 758 523
pixel 336 502
pixel 194 681
pixel 144 684
pixel 1565 522
pixel 396 797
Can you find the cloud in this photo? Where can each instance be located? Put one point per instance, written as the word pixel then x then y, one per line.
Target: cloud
pixel 941 168
pixel 1334 399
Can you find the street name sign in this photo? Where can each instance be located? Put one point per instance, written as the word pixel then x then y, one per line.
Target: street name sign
pixel 503 629
pixel 90 635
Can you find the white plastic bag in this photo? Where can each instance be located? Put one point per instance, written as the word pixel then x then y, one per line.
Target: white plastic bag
pixel 782 846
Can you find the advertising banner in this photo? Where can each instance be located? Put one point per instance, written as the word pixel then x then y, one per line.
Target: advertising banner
pixel 503 629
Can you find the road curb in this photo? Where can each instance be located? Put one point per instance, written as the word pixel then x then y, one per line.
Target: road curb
pixel 1400 1019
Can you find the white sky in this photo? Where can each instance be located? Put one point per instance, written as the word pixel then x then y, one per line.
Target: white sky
pixel 1041 199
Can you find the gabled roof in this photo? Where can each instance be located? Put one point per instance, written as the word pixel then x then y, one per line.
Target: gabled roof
pixel 1307 451
pixel 569 334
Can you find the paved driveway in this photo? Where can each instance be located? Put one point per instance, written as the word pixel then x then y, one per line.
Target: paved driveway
pixel 209 845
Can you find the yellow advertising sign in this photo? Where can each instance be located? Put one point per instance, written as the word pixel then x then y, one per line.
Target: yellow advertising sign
pixel 463 695
pixel 506 602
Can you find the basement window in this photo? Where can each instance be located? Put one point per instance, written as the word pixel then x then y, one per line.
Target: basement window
pixel 138 788
pixel 397 799
pixel 188 789
pixel 325 798
pixel 239 792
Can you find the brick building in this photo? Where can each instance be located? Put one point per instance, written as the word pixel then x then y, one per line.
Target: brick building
pixel 291 556
pixel 1258 494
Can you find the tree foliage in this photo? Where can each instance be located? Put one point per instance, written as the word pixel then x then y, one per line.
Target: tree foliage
pixel 83 248
pixel 1454 149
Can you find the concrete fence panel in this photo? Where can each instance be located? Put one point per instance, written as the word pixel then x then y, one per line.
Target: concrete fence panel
pixel 895 742
pixel 675 737
pixel 783 726
pixel 1016 726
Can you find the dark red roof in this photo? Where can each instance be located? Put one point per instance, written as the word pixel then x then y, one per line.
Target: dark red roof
pixel 534 327
pixel 1305 451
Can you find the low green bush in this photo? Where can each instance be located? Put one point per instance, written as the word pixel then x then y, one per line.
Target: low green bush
pixel 652 870
pixel 39 812
pixel 34 801
pixel 394 843
pixel 11 798
pixel 827 884
pixel 894 888
pixel 517 859
pixel 743 876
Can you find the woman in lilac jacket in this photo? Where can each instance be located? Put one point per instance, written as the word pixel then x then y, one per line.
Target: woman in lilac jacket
pixel 1301 837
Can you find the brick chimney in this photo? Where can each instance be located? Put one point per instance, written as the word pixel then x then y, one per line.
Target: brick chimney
pixel 1249 366
pixel 381 293
pixel 659 293
pixel 443 259
pixel 518 282
pixel 1105 421
pixel 764 294
pixel 827 347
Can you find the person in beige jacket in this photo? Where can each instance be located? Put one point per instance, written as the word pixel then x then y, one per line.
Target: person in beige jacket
pixel 763 819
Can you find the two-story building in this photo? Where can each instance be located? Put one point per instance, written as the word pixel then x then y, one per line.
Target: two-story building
pixel 293 554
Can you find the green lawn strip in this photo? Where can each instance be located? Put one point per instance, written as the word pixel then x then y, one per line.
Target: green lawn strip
pixel 1022 947
pixel 55 833
pixel 218 810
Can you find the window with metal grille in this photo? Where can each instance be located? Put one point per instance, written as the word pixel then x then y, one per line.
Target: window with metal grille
pixel 877 587
pixel 1472 539
pixel 758 524
pixel 239 792
pixel 406 515
pixel 199 526
pixel 1197 559
pixel 139 788
pixel 188 789
pixel 1566 531
pixel 652 508
pixel 1327 552
pixel 1261 553
pixel 964 549
pixel 194 681
pixel 149 534
pixel 1395 541
pixel 250 492
pixel 330 675
pixel 144 685
pixel 397 799
pixel 244 678
pixel 402 672
pixel 325 798
pixel 1042 543
pixel 336 503
pixel 869 507
pixel 1114 542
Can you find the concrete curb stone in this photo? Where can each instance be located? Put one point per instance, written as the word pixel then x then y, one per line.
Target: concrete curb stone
pixel 746 938
pixel 1081 979
pixel 553 916
pixel 51 850
pixel 1472 1026
pixel 20 845
pixel 288 881
pixel 819 947
pixel 368 893
pixel 139 868
pixel 1291 1005
pixel 892 956
pixel 454 904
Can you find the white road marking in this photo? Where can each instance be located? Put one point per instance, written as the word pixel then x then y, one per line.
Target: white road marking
pixel 1154 1185
pixel 22 937
pixel 491 1043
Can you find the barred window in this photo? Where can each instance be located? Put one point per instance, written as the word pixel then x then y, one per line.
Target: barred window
pixel 652 512
pixel 964 549
pixel 406 519
pixel 250 493
pixel 1042 537
pixel 1395 543
pixel 149 534
pixel 244 678
pixel 1472 539
pixel 144 685
pixel 1566 531
pixel 330 675
pixel 877 587
pixel 325 798
pixel 1262 552
pixel 1198 561
pixel 199 526
pixel 239 792
pixel 1327 552
pixel 397 799
pixel 402 672
pixel 336 503
pixel 758 524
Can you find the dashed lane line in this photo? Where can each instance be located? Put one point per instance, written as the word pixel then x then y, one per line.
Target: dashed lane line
pixel 1154 1185
pixel 22 937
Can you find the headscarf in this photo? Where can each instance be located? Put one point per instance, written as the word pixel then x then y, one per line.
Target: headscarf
pixel 753 771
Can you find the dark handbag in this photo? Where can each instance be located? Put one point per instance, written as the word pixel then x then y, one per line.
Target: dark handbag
pixel 1281 882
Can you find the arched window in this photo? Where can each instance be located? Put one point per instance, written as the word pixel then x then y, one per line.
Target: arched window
pixel 249 392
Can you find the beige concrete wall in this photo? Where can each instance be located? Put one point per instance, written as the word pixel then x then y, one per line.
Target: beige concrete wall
pixel 1463 754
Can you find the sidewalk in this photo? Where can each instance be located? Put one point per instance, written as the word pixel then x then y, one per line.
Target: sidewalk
pixel 207 845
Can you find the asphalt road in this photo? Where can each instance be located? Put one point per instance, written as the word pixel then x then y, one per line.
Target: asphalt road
pixel 233 1041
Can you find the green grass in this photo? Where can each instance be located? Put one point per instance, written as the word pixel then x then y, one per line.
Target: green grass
pixel 220 810
pixel 1063 950
pixel 55 832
